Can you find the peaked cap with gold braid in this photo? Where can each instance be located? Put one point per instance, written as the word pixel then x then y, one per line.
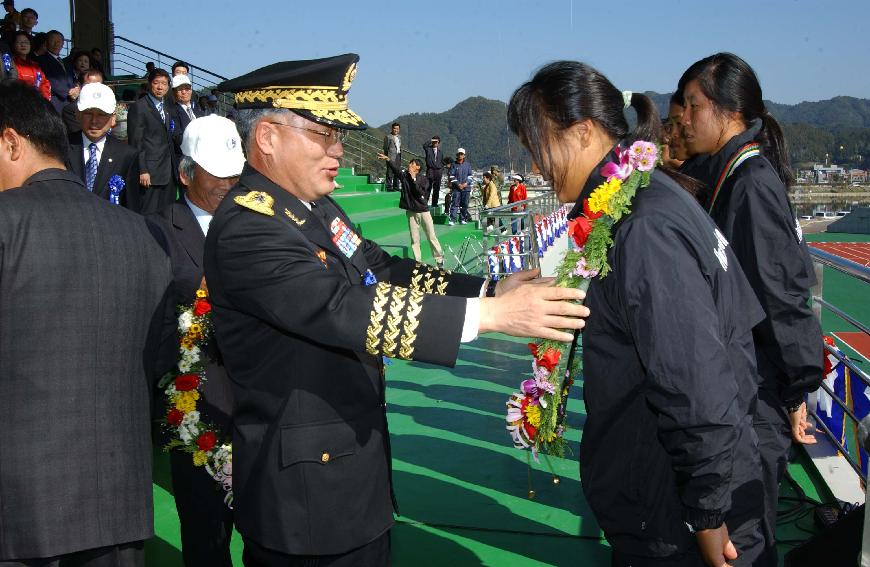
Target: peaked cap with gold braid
pixel 315 89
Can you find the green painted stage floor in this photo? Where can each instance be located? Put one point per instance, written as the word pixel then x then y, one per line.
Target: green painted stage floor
pixel 462 488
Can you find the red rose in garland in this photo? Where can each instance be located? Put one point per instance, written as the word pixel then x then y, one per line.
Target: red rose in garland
pixel 187 382
pixel 549 359
pixel 201 307
pixel 579 229
pixel 174 417
pixel 206 441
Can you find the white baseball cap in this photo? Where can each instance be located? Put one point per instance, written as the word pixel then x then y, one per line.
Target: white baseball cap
pixel 460 151
pixel 517 177
pixel 215 145
pixel 179 80
pixel 97 95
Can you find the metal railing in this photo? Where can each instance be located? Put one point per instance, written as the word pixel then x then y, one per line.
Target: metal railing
pixel 129 58
pixel 508 225
pixel 822 259
pixel 361 149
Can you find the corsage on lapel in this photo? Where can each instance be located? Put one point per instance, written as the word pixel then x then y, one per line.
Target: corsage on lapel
pixel 116 185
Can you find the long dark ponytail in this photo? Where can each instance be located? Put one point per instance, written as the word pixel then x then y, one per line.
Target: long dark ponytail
pixel 732 85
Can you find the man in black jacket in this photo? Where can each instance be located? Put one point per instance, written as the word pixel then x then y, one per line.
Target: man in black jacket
pixel 149 130
pixel 82 285
pixel 304 311
pixel 109 168
pixel 434 164
pixel 211 164
pixel 413 200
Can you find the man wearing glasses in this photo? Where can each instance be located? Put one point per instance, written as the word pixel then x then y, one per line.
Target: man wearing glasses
pixel 434 163
pixel 305 309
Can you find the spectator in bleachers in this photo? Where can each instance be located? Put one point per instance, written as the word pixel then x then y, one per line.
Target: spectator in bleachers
pixel 180 68
pixel 27 70
pixel 182 110
pixel 148 123
pixel 460 189
pixel 202 103
pixel 150 66
pixel 70 109
pixel 29 19
pixel 37 45
pixel 109 168
pixel 7 30
pixel 213 105
pixel 97 59
pixel 12 15
pixel 128 97
pixel 61 76
pixel 81 62
pixel 491 197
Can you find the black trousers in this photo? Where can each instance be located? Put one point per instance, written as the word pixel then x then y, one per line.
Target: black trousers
pixel 206 521
pixel 393 182
pixel 156 198
pixel 691 559
pixel 434 177
pixel 373 554
pixel 774 440
pixel 125 555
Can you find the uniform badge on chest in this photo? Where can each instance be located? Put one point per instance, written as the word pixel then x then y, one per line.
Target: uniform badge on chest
pixel 343 237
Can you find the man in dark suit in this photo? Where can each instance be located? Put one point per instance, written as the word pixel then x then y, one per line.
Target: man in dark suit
pixel 434 163
pixel 183 111
pixel 82 293
pixel 304 310
pixel 212 162
pixel 393 150
pixel 148 130
pixel 108 168
pixel 59 73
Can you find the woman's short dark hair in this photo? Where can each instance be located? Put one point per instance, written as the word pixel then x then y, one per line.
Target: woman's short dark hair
pixel 566 92
pixel 731 84
pixel 24 110
pixel 416 162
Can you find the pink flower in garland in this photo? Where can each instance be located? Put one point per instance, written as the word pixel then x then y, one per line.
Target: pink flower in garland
pixel 643 155
pixel 621 170
pixel 584 271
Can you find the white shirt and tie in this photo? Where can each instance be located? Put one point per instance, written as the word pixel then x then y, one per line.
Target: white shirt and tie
pixel 203 217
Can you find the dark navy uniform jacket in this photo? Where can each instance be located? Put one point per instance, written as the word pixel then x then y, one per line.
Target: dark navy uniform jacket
pixel 669 376
pixel 753 212
pixel 302 339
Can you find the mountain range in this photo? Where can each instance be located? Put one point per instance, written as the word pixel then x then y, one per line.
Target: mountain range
pixel 838 127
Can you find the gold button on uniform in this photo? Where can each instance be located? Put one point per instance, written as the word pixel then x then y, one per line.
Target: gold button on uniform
pixel 324 458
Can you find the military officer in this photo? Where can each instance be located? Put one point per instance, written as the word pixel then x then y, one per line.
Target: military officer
pixel 304 310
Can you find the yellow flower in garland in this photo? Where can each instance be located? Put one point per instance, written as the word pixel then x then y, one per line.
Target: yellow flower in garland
pixel 533 414
pixel 195 329
pixel 200 458
pixel 599 201
pixel 201 293
pixel 186 401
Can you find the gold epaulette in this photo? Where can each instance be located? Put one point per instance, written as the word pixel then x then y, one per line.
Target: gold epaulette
pixel 257 201
pixel 401 308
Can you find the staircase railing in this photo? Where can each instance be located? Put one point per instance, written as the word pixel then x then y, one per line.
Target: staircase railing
pixel 361 150
pixel 129 58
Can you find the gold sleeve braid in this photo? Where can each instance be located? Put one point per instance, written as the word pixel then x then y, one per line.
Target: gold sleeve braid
pixel 427 274
pixel 402 308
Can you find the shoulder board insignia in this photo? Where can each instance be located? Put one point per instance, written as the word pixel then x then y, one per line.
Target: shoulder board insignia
pixel 257 201
pixel 294 218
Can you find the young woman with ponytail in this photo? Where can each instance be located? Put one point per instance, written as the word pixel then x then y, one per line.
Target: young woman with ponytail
pixel 668 460
pixel 746 169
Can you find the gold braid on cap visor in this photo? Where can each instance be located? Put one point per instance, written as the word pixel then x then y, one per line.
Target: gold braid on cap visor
pixel 324 102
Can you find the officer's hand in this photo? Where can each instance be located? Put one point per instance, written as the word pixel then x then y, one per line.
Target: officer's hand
pixel 541 311
pixel 383 156
pixel 715 546
pixel 799 426
pixel 516 279
pixel 145 179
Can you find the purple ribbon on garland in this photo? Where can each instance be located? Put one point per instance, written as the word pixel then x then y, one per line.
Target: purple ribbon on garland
pixel 116 185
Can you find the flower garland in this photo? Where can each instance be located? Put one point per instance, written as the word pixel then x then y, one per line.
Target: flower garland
pixel 536 414
pixel 187 431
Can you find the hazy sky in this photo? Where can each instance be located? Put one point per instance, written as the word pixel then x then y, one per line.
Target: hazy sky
pixel 419 56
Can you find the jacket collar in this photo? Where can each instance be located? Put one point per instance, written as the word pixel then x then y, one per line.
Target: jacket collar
pixel 53 174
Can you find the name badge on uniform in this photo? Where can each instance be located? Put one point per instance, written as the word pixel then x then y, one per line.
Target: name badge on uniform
pixel 343 237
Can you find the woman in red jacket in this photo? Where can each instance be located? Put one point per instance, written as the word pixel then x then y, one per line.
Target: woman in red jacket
pixel 517 193
pixel 29 71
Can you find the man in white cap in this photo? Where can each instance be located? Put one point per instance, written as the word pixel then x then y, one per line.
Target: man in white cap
pixel 211 165
pixel 460 188
pixel 108 167
pixel 183 111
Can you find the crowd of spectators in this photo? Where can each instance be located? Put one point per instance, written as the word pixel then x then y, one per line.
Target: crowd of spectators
pixel 150 115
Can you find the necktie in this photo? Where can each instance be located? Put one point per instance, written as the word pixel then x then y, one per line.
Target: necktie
pixel 160 110
pixel 190 113
pixel 91 167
